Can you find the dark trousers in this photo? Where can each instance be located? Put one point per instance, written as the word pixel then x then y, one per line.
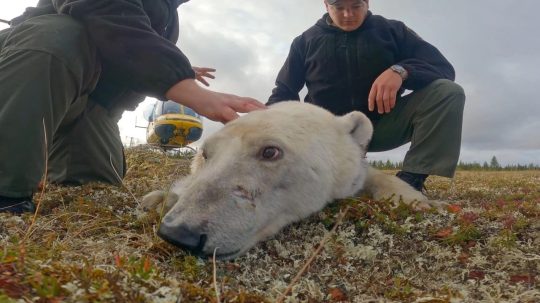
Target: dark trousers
pixel 431 120
pixel 48 68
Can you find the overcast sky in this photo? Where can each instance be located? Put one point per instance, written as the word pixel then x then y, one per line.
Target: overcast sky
pixel 492 45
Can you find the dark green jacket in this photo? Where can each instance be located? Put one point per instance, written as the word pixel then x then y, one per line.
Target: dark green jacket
pixel 136 43
pixel 339 68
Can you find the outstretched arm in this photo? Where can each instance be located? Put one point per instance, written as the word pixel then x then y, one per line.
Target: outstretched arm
pixel 134 52
pixel 146 62
pixel 215 106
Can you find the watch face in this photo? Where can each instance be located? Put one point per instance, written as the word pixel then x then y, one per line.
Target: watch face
pixel 400 70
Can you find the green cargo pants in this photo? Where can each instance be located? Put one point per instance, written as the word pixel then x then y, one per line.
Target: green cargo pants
pixel 430 119
pixel 48 68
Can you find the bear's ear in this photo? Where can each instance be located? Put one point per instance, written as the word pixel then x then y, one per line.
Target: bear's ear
pixel 360 128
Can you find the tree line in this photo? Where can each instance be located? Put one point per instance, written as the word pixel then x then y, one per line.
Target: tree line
pixel 492 165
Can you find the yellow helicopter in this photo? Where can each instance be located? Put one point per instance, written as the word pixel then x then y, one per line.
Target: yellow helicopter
pixel 172 125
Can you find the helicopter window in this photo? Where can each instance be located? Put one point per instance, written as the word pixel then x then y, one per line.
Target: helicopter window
pixel 190 112
pixel 171 107
pixel 158 109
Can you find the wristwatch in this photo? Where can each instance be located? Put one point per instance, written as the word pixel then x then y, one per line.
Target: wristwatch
pixel 400 70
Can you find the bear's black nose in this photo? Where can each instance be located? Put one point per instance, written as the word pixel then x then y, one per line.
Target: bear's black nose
pixel 184 237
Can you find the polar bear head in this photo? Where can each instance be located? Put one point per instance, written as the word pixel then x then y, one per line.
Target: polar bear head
pixel 264 171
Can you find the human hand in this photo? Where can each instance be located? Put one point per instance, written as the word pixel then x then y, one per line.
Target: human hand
pixel 224 107
pixel 201 72
pixel 215 106
pixel 384 91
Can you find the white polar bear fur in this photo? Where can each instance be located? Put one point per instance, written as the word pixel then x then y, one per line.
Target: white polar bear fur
pixel 236 197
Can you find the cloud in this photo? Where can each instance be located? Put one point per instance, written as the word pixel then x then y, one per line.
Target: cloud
pixel 490 43
pixel 246 41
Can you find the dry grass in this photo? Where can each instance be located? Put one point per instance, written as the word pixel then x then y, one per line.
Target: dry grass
pixel 87 245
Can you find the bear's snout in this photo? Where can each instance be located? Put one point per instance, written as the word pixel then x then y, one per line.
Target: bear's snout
pixel 183 236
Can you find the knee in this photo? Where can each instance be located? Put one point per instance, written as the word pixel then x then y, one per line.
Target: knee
pixel 59 35
pixel 448 86
pixel 448 94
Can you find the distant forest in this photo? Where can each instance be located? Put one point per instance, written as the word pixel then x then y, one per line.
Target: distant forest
pixel 492 165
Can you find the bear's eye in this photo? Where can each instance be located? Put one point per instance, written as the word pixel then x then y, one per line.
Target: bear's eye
pixel 271 153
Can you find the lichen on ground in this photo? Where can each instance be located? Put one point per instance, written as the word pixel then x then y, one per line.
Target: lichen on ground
pixel 88 245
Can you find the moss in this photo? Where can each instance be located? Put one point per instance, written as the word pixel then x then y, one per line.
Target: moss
pixel 400 289
pixel 189 268
pixel 45 286
pixel 87 245
pixel 506 239
pixel 6 299
pixel 463 235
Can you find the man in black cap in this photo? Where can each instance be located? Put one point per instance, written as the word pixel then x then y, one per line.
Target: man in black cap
pixel 68 69
pixel 352 60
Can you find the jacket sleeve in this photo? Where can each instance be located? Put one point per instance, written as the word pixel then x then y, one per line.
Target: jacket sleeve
pixel 139 57
pixel 291 77
pixel 423 61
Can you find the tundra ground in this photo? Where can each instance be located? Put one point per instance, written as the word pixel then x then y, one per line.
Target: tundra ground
pixel 87 245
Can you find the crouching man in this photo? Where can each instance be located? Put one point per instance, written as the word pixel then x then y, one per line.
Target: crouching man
pixel 352 60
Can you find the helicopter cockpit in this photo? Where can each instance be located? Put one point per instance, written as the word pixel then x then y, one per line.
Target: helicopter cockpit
pixel 172 125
